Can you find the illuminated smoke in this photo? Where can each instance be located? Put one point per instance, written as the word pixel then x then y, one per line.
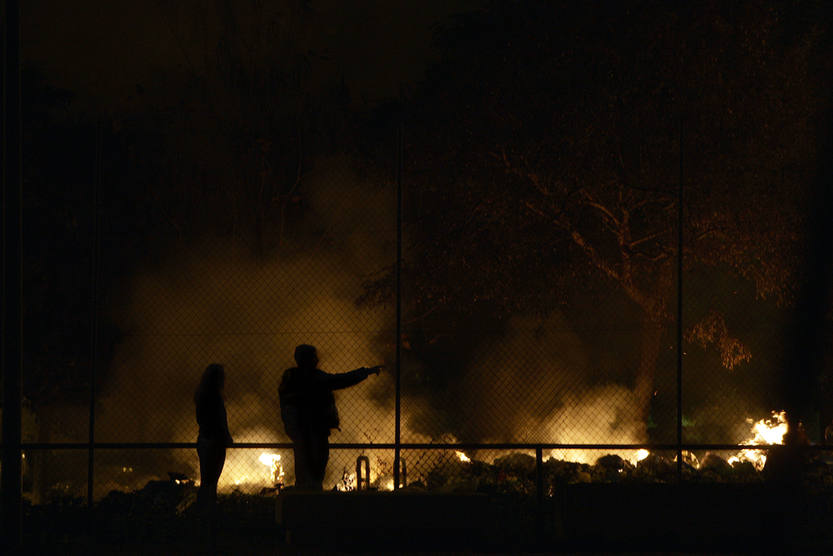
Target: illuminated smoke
pixel 220 303
pixel 603 415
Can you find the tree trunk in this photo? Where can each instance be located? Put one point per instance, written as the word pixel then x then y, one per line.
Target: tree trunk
pixel 654 323
pixel 652 333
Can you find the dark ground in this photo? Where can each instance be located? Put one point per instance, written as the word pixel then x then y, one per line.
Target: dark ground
pixel 590 519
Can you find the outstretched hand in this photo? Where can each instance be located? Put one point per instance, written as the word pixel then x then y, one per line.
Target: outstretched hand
pixel 375 370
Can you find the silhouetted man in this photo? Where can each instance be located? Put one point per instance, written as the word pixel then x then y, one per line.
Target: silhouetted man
pixel 308 410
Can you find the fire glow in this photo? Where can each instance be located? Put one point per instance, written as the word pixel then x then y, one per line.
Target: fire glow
pixel 249 472
pixel 347 483
pixel 379 479
pixel 765 431
pixel 275 467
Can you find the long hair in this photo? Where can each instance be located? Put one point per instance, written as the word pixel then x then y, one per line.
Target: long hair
pixel 210 383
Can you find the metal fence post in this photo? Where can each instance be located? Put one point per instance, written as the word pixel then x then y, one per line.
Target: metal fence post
pixel 12 337
pixel 680 310
pixel 397 434
pixel 539 474
pixel 94 261
pixel 539 494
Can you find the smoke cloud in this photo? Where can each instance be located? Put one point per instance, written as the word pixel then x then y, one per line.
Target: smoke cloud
pixel 217 302
pixel 220 303
pixel 540 388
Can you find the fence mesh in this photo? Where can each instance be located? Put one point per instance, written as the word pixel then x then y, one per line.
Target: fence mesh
pixel 531 322
pixel 473 371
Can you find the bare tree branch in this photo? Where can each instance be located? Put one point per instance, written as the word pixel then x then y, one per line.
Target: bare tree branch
pixel 649 237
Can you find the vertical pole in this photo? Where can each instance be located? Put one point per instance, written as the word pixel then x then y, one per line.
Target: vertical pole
pixel 398 293
pixel 680 310
pixel 12 316
pixel 94 256
pixel 539 494
pixel 539 475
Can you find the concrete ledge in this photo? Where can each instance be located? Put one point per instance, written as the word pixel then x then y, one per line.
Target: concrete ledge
pixel 749 517
pixel 342 517
pixel 678 515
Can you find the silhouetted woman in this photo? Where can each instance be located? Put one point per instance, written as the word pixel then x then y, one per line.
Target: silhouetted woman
pixel 214 436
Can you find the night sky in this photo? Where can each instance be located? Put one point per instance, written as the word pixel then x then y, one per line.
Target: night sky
pixel 102 50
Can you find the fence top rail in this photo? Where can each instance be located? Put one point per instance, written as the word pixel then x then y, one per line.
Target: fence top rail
pixel 405 446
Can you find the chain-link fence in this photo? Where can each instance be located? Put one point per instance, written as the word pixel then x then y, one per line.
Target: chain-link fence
pixel 587 381
pixel 618 295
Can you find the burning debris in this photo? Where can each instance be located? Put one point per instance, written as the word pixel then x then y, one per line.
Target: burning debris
pixel 250 472
pixel 180 478
pixel 276 473
pixel 515 471
pixel 765 431
pixel 253 472
pixel 347 482
pixel 371 473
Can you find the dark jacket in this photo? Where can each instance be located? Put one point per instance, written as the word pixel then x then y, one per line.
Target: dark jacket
pixel 307 401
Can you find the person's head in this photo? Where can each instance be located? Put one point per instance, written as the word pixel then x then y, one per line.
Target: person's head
pixel 306 356
pixel 213 380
